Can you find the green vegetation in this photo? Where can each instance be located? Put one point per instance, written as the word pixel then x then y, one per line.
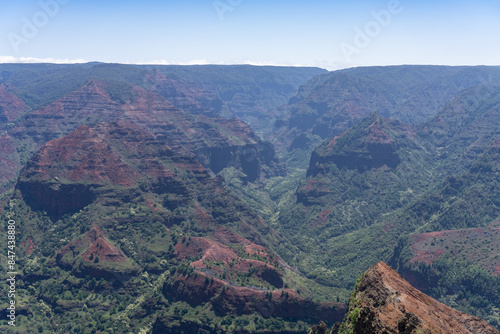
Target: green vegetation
pixel 462 285
pixel 351 211
pixel 120 258
pixel 358 188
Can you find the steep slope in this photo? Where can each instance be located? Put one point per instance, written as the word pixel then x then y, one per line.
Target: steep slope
pixel 438 178
pixel 383 302
pixel 464 128
pixel 331 103
pixel 371 144
pixel 217 142
pixel 250 93
pixel 378 156
pixel 116 224
pixel 184 95
pixel 458 246
pixel 132 209
pixel 354 181
pixel 479 245
pixel 93 160
pixel 59 98
pixel 237 91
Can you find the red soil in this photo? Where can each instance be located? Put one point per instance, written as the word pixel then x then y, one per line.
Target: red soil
pixel 225 298
pixel 93 244
pixel 476 244
pixel 104 250
pixel 386 300
pixel 427 257
pixel 29 247
pixel 10 105
pixel 7 145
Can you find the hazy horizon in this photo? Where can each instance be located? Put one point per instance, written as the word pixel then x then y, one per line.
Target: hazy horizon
pixel 330 35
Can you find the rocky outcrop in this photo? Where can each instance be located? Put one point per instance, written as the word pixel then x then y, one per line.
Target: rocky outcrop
pixel 90 246
pixel 54 198
pixel 371 144
pixel 219 260
pixel 198 288
pixel 69 173
pixel 373 147
pixel 217 269
pixel 383 302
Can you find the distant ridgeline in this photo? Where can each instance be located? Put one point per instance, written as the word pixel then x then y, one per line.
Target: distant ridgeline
pixel 244 199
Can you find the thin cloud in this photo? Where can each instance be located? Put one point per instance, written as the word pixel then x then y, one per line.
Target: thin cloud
pixel 33 60
pixel 166 62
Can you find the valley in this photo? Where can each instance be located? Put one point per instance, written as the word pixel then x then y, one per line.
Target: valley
pixel 247 199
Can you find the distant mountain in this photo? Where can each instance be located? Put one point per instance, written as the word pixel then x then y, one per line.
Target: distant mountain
pixel 238 91
pixel 215 141
pixel 111 216
pixel 250 93
pixel 466 125
pixel 379 156
pixel 383 302
pixel 191 107
pixel 331 103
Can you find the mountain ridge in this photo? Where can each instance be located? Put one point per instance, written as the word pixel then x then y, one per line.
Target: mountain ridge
pixel 383 302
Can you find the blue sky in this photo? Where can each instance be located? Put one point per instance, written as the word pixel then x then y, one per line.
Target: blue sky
pixel 329 34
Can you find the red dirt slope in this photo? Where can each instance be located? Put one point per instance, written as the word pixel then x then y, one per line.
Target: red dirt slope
pixel 385 303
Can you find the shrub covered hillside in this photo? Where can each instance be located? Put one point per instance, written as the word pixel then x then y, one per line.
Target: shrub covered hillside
pixel 118 232
pixel 370 191
pixel 244 199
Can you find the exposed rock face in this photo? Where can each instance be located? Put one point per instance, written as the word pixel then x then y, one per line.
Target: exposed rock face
pixel 330 103
pixel 112 163
pixel 217 143
pixel 371 144
pixel 56 199
pixel 230 264
pixel 213 281
pixel 374 145
pixel 84 155
pixel 121 180
pixel 383 302
pixel 229 299
pixel 68 174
